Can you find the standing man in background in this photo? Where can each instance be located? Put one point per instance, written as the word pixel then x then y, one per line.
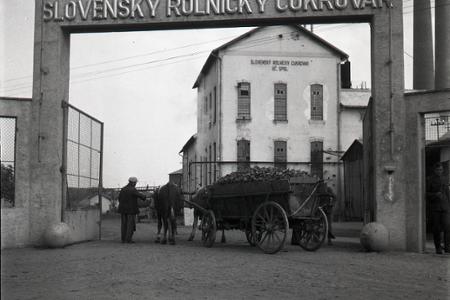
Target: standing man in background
pixel 128 209
pixel 438 197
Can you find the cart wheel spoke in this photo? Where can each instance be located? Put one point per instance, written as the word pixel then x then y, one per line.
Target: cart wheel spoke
pixel 270 214
pixel 276 235
pixel 265 234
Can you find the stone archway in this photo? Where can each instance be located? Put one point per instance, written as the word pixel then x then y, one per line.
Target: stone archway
pixel 57 19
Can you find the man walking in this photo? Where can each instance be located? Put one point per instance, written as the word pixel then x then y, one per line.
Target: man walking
pixel 438 197
pixel 128 209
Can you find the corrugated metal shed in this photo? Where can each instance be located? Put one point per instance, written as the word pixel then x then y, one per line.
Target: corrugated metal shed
pixel 353 182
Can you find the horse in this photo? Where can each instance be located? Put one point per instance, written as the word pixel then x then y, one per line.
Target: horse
pixel 201 198
pixel 166 199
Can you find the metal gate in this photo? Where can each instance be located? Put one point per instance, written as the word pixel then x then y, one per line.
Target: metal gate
pixel 83 161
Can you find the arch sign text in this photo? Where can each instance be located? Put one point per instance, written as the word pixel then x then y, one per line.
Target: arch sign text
pixel 140 9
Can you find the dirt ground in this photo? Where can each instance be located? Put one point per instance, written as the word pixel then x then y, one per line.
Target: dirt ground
pixel 108 269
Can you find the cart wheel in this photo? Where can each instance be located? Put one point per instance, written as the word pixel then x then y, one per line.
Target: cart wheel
pixel 312 231
pixel 269 227
pixel 208 229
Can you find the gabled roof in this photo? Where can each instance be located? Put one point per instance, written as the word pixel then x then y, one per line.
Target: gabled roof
pixel 191 140
pixel 214 54
pixel 357 143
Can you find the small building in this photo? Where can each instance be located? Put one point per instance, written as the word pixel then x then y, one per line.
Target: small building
pixel 353 209
pixel 92 201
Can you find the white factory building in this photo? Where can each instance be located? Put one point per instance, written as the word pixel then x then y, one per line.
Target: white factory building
pixel 273 97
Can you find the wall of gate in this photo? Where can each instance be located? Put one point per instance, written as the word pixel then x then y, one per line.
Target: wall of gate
pixel 83 160
pixel 15 119
pixel 418 105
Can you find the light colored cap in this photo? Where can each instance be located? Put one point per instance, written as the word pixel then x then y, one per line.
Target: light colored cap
pixel 132 179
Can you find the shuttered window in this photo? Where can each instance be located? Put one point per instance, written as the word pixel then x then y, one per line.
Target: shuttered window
pixel 210 166
pixel 243 154
pixel 244 100
pixel 316 102
pixel 317 159
pixel 280 102
pixel 215 159
pixel 215 106
pixel 280 154
pixel 205 173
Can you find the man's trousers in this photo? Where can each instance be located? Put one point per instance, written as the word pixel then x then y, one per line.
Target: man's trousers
pixel 128 226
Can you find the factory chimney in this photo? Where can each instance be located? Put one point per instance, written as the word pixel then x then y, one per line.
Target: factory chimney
pixel 442 44
pixel 423 71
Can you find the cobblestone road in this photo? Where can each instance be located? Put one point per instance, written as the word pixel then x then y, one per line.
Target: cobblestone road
pixel 107 269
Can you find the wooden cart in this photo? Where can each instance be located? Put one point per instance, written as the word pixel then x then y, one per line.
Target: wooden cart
pixel 265 210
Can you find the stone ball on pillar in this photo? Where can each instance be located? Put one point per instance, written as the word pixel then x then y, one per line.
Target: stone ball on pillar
pixel 57 235
pixel 375 237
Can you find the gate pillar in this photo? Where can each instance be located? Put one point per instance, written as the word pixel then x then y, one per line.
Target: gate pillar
pixel 386 184
pixel 50 89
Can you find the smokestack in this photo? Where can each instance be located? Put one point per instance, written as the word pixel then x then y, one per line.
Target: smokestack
pixel 442 44
pixel 423 72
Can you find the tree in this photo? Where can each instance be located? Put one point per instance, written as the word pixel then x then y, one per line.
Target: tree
pixel 7 184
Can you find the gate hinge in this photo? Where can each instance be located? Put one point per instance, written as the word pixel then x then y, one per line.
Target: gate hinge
pixel 64 104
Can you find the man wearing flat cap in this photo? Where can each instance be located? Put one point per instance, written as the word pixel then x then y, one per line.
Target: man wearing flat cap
pixel 128 209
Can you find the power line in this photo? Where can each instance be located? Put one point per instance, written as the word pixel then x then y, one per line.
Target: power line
pixel 151 53
pixel 256 42
pixel 122 59
pixel 134 56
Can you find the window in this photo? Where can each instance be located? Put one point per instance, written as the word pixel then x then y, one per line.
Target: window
pixel 7 160
pixel 200 179
pixel 244 100
pixel 210 102
pixel 280 102
pixel 215 159
pixel 206 105
pixel 210 165
pixel 210 110
pixel 215 106
pixel 317 158
pixel 280 154
pixel 243 154
pixel 206 167
pixel 316 102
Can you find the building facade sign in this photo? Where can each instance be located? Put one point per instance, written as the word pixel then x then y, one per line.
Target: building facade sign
pixel 279 64
pixel 59 11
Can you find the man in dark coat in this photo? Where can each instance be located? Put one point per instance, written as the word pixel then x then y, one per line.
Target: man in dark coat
pixel 128 209
pixel 438 197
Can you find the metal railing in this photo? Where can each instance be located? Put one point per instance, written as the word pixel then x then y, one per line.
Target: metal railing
pixel 84 159
pixel 7 161
pixel 436 126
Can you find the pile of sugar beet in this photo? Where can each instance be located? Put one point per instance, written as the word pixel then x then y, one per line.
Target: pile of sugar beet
pixel 261 174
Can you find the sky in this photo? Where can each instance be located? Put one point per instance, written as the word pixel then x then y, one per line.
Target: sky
pixel 140 83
